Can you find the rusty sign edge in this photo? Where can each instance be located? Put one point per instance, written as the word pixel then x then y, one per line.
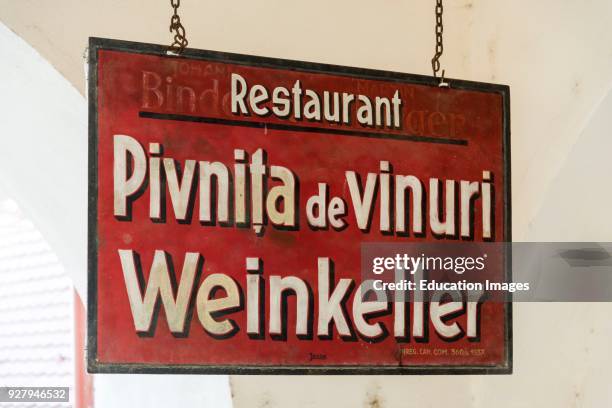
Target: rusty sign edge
pixel 93 366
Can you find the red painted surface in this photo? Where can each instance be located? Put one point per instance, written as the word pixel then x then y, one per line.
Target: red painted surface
pixel 313 157
pixel 83 381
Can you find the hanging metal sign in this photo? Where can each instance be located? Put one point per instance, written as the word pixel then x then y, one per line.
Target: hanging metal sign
pixel 230 197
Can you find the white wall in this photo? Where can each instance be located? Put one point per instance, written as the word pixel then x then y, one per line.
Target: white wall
pixel 43 153
pixel 555 55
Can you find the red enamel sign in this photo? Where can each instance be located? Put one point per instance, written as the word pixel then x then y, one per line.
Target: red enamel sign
pixel 230 197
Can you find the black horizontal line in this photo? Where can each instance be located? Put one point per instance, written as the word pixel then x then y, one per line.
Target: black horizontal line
pixel 310 129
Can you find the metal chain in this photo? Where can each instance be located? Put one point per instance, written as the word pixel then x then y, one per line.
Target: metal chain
pixel 435 61
pixel 180 41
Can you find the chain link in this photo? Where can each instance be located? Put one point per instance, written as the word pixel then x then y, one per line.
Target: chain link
pixel 180 40
pixel 435 61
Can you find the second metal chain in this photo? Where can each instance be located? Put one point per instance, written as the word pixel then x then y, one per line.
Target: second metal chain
pixel 435 61
pixel 180 40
